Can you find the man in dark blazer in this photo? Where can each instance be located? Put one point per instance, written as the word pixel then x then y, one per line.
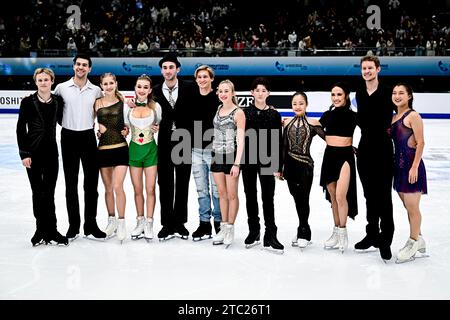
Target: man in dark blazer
pixel 174 148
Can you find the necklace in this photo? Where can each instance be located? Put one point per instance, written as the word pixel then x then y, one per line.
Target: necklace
pixel 45 100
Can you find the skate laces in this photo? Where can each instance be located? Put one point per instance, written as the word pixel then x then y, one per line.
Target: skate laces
pixel 408 246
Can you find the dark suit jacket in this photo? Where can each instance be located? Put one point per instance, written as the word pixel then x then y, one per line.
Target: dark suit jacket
pixel 181 113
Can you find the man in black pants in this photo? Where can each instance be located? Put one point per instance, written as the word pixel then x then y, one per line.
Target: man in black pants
pixel 36 137
pixel 78 143
pixel 174 170
pixel 375 158
pixel 262 158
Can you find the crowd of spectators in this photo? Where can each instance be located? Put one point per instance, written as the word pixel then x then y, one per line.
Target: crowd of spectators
pixel 223 28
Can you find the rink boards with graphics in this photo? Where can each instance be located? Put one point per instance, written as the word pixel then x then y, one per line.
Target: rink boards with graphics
pixel 429 105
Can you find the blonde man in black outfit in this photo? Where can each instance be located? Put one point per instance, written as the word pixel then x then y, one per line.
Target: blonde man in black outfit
pixel 205 108
pixel 36 137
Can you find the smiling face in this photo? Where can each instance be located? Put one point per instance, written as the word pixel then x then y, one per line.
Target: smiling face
pixel 44 82
pixel 369 70
pixel 142 89
pixel 299 105
pixel 204 80
pixel 109 85
pixel 169 70
pixel 338 97
pixel 225 93
pixel 260 93
pixel 400 97
pixel 81 68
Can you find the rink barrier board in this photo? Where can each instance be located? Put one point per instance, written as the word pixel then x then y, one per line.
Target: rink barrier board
pixel 429 105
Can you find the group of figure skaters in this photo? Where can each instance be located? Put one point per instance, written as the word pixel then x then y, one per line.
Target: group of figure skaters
pixel 206 132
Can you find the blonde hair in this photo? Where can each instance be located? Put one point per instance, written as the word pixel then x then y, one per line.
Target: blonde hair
pixel 204 67
pixel 116 92
pixel 150 102
pixel 46 71
pixel 233 97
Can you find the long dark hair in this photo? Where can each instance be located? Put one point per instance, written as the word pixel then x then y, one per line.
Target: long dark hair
pixel 346 88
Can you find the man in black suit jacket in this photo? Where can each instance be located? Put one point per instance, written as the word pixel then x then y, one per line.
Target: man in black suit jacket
pixel 174 148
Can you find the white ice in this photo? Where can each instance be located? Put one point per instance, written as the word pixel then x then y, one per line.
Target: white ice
pixel 183 269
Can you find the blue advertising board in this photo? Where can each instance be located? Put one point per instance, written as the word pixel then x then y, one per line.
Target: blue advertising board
pixel 238 66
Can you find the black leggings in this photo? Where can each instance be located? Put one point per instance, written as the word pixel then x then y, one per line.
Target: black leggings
pixel 300 188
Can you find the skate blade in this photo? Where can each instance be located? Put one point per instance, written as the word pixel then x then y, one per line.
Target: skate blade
pixel 303 247
pixel 137 237
pixel 294 244
pixel 42 242
pixel 331 248
pixel 166 238
pixel 110 236
pixel 181 237
pixel 217 243
pixel 371 249
pixel 148 239
pixel 272 250
pixel 57 244
pixel 251 245
pixel 74 238
pixel 227 246
pixel 398 261
pixel 91 237
pixel 205 237
pixel 420 255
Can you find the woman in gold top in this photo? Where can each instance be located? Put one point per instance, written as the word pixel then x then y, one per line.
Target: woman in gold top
pixel 112 153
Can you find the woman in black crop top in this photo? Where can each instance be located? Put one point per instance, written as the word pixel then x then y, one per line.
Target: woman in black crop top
pixel 298 165
pixel 338 174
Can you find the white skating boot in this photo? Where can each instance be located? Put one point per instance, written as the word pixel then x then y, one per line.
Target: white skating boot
pixel 408 252
pixel 121 230
pixel 111 227
pixel 422 248
pixel 343 239
pixel 229 235
pixel 138 231
pixel 333 241
pixel 148 229
pixel 219 237
pixel 303 243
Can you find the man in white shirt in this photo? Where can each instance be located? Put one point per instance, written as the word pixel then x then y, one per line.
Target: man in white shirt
pixel 78 143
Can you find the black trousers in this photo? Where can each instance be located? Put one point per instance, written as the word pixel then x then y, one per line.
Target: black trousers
pixel 376 173
pixel 267 183
pixel 79 146
pixel 300 191
pixel 173 181
pixel 43 175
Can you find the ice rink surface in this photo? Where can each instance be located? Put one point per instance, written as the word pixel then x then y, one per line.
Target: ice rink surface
pixel 183 269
